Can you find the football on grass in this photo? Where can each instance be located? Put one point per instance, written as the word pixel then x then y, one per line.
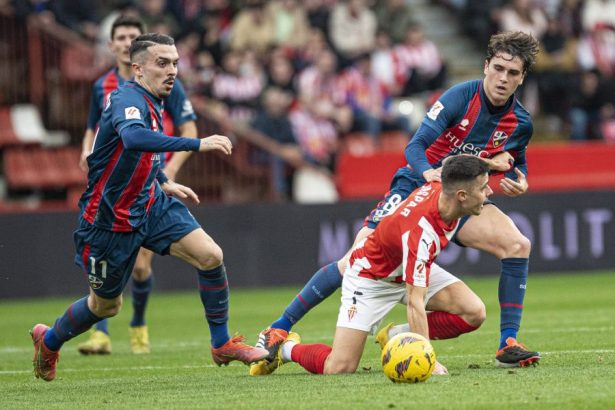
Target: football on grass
pixel 408 358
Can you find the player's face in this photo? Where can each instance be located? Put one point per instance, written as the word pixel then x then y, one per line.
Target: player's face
pixel 503 74
pixel 158 69
pixel 120 43
pixel 476 196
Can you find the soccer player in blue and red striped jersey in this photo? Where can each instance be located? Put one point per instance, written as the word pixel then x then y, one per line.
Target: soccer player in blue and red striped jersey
pixel 129 203
pixel 482 118
pixel 178 118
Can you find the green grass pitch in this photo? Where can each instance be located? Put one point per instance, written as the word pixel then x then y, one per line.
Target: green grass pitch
pixel 569 318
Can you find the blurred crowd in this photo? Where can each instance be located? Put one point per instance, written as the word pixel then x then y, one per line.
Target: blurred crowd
pixel 305 73
pixel 309 72
pixel 573 83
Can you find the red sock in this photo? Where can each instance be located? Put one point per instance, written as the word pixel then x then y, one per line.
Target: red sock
pixel 311 357
pixel 443 325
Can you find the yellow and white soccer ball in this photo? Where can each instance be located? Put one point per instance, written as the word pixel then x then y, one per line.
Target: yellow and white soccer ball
pixel 408 358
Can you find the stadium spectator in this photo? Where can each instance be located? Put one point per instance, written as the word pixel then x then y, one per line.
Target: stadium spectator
pixel 555 70
pixel 524 16
pixel 597 13
pixel 592 105
pixel 239 85
pixel 253 28
pixel 318 13
pixel 153 13
pixel 396 265
pixel 78 15
pixel 272 120
pixel 352 28
pixel 394 17
pixel 321 112
pixel 419 64
pixel 281 73
pixel 370 101
pixel 596 50
pixel 129 203
pixel 290 23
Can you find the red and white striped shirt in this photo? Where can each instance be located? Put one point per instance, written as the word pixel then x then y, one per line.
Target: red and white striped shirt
pixel 423 57
pixel 406 242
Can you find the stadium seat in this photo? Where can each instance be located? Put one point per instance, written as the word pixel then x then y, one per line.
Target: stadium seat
pixel 7 133
pixel 39 168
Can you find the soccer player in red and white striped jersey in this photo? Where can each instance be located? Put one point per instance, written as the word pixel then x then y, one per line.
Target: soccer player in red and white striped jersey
pixel 396 264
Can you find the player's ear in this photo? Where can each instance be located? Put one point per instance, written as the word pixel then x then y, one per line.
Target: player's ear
pixel 486 67
pixel 136 69
pixel 461 195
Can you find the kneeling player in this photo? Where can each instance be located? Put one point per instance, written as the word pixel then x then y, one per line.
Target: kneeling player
pixel 403 249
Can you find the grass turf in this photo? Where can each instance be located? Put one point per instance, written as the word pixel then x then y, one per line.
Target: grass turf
pixel 569 318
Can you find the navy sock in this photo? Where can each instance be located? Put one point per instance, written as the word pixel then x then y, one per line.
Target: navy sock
pixel 324 282
pixel 140 295
pixel 77 319
pixel 103 326
pixel 511 294
pixel 213 287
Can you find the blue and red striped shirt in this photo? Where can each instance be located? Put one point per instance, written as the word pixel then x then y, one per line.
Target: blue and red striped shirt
pixel 463 121
pixel 122 182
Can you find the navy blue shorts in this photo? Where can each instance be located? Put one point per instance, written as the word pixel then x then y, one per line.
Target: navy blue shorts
pixel 108 257
pixel 402 185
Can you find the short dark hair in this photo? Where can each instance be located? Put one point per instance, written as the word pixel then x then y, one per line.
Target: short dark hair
pixel 145 41
pixel 515 43
pixel 461 169
pixel 126 21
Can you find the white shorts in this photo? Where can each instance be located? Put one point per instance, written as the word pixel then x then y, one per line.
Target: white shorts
pixel 365 302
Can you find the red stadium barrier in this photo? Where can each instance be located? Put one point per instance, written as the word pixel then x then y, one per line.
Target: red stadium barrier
pixel 559 167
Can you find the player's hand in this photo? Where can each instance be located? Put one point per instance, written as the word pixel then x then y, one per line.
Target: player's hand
pixel 514 188
pixel 216 142
pixel 179 191
pixel 432 174
pixel 501 162
pixel 170 172
pixel 439 369
pixel 83 161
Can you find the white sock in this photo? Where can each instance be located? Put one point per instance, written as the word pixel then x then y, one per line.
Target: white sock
pixel 287 348
pixel 395 330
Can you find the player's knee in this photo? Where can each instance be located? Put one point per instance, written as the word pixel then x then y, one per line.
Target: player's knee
pixel 141 272
pixel 340 366
pixel 518 247
pixel 210 259
pixel 476 313
pixel 108 308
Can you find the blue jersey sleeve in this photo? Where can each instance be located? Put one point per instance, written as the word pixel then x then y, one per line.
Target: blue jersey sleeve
pixel 520 160
pixel 95 107
pixel 178 105
pixel 139 138
pixel 127 109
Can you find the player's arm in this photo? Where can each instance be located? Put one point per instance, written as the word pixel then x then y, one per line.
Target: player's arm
pixel 417 317
pixel 86 148
pixel 186 130
pixel 139 138
pixel 442 114
pixel 515 183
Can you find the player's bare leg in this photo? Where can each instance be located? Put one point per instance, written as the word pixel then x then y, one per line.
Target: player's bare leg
pixel 141 288
pixel 494 232
pixel 346 352
pixel 199 249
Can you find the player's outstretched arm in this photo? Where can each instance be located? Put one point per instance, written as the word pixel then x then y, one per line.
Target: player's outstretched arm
pixel 216 143
pixel 417 317
pixel 179 191
pixel 514 188
pixel 501 162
